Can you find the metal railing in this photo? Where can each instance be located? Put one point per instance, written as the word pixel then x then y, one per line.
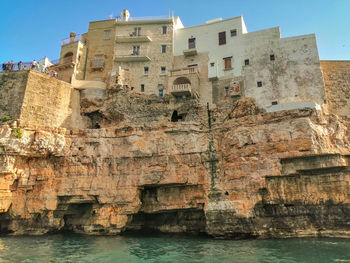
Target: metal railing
pixel 66 60
pixel 6 67
pixel 71 40
pixel 97 63
pixel 145 18
pixel 27 66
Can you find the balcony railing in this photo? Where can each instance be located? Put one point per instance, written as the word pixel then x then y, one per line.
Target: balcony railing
pixel 184 71
pixel 97 64
pixel 132 38
pixel 66 60
pixel 181 89
pixel 71 40
pixel 146 18
pixel 134 56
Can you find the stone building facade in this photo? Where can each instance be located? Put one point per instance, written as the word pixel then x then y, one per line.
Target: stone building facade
pixel 216 62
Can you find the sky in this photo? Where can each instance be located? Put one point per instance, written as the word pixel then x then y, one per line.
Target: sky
pixel 32 29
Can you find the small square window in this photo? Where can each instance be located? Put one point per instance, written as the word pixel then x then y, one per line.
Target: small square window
pixel 163 48
pixel 212 64
pixel 142 87
pixel 259 84
pixel 164 30
pixel 272 57
pixel 162 70
pixel 246 62
pixel 107 34
pixel 226 91
pixel 146 70
pixel 233 32
pixel 274 103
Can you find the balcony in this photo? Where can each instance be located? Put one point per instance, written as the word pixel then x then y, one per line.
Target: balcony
pixel 190 52
pixel 65 62
pixel 132 39
pixel 136 56
pixel 184 71
pixel 181 89
pixel 97 64
pixel 72 39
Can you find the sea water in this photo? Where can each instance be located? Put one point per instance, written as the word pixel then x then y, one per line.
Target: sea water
pixel 80 248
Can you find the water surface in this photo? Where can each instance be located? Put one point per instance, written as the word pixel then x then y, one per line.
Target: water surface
pixel 76 248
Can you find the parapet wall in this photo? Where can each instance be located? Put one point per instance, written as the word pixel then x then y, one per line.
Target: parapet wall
pixel 12 89
pixel 336 77
pixel 37 99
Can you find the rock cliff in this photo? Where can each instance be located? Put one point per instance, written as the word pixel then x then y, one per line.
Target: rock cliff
pixel 174 166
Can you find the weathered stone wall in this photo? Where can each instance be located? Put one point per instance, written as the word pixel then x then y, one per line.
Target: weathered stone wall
pixel 37 99
pixel 293 76
pixel 12 89
pixel 155 79
pixel 336 77
pixel 99 46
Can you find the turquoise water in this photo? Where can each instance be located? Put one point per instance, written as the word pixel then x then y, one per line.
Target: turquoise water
pixel 75 248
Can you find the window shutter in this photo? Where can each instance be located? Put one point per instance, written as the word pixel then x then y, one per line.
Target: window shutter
pixel 222 38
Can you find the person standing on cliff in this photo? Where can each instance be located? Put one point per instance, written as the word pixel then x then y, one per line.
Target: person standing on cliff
pixel 20 64
pixel 4 66
pixel 12 65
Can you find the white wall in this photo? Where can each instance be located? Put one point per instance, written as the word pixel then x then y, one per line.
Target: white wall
pixel 207 40
pixel 294 76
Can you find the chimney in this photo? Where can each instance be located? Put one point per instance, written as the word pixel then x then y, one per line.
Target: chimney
pixel 125 15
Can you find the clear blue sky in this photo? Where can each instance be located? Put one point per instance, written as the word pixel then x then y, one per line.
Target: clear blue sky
pixel 32 29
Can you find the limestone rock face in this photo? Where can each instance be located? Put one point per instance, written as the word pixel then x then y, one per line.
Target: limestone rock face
pixel 229 172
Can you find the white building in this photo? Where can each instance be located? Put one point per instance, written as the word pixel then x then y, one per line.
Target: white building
pixel 280 73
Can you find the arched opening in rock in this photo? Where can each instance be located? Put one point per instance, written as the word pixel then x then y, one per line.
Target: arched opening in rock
pixel 169 209
pixel 76 217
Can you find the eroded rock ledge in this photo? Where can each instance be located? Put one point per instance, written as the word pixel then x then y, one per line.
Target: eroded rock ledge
pixel 231 172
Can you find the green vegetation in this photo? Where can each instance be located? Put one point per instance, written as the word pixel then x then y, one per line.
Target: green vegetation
pixel 17 132
pixel 6 118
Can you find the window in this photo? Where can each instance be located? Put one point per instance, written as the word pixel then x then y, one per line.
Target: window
pixel 222 38
pixel 145 70
pixel 142 87
pixel 107 34
pixel 274 102
pixel 259 84
pixel 212 64
pixel 160 93
pixel 137 31
pixel 226 91
pixel 163 70
pixel 163 48
pixel 191 43
pixel 136 50
pixel 164 30
pixel 246 62
pixel 233 32
pixel 272 57
pixel 228 63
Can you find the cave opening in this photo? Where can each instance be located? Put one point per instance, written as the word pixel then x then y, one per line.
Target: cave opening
pixel 175 117
pixel 154 217
pixel 76 217
pixel 96 118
